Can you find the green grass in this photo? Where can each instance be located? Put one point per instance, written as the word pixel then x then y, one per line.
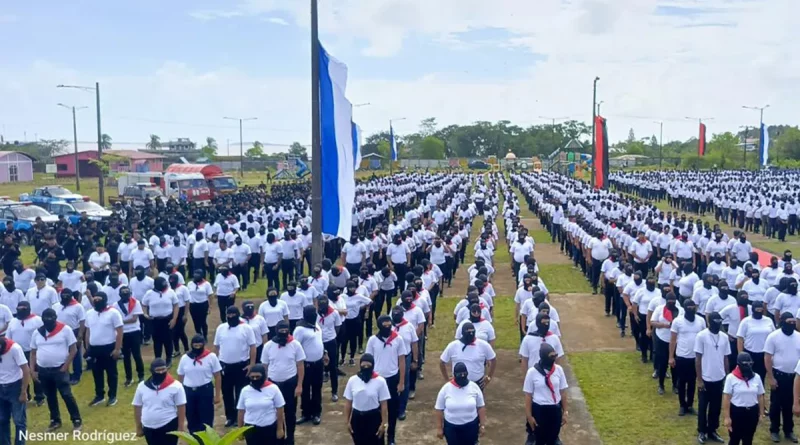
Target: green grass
pixel 625 407
pixel 541 236
pixel 502 320
pixel 563 279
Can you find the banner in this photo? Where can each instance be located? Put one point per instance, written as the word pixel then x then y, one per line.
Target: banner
pixel 763 145
pixel 600 155
pixel 701 141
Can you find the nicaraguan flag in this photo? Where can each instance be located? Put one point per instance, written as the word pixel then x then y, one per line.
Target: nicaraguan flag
pixel 392 144
pixel 763 145
pixel 356 145
pixel 338 166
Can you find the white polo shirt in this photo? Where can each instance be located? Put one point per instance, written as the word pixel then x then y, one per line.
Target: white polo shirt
pixel 160 304
pixel 41 299
pixel 139 288
pixel 536 385
pixel 142 257
pixel 366 396
pixel 397 252
pixel 288 249
pixel 387 354
pixel 10 363
pixel 226 286
pixel 224 257
pixel 234 343
pixel 5 318
pixel 311 341
pixel 460 405
pixel 754 332
pixel 11 299
pixel 200 249
pixel 531 344
pixel 100 260
pixel 112 293
pixel 102 326
pixel 71 280
pixel 785 350
pixel 182 293
pixel 483 329
pixel 474 356
pixel 198 372
pixel 261 406
pixel 23 281
pixel 52 351
pixel 354 253
pixel 663 334
pixel 328 323
pixel 134 308
pixel 259 326
pixel 687 332
pixel 715 349
pixel 282 360
pixel 199 293
pixel 159 407
pixel 296 303
pixel 273 314
pixel 408 332
pixel 22 331
pixel 240 253
pixel 743 394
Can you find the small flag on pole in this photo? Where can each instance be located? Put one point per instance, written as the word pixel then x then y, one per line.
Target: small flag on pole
pixel 763 145
pixel 392 144
pixel 356 145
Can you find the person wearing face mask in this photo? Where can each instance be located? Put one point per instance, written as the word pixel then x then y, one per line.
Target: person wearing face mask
pixel 717 265
pixel 771 272
pixel 160 306
pixel 389 351
pixel 15 376
pixel 241 259
pixel 200 372
pixel 398 255
pixel 545 387
pixel 159 406
pixel 408 332
pixel 290 251
pixel 781 355
pixel 70 312
pixel 9 297
pixel 112 288
pixel 641 301
pixel 788 300
pixel 256 244
pixel 70 278
pixel 257 323
pixel 177 254
pixel 684 330
pixel 226 285
pixel 743 401
pixel 483 327
pixel 711 348
pixel 707 297
pixel 179 330
pixel 755 286
pixel 53 347
pixel 366 410
pixel 752 335
pixel 295 301
pixel 284 360
pixel 474 352
pixel 272 256
pixel 235 345
pixel 661 321
pixel 142 257
pixel 610 270
pixel 140 285
pixel 630 290
pixel 622 282
pixel 261 406
pixel 104 339
pixel 273 310
pixel 21 330
pixel 732 316
pixel 131 309
pixel 309 334
pixel 533 341
pixel 386 291
pixel 199 292
pixel 519 249
pixel 460 409
pixel 354 255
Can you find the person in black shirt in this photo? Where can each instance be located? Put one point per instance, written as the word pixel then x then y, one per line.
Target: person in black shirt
pixel 9 252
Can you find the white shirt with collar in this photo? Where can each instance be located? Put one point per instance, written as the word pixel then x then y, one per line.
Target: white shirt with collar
pixel 53 350
pixel 474 356
pixel 281 361
pixel 366 396
pixel 311 341
pixel 21 331
pixel 199 292
pixel 72 315
pixel 784 349
pixel 226 285
pixel 536 385
pixel 261 406
pixel 41 299
pixel 387 354
pixel 102 326
pixel 142 257
pixel 460 405
pixel 743 394
pixel 234 343
pixel 11 364
pixel 160 304
pixel 198 372
pixel 715 349
pixel 159 407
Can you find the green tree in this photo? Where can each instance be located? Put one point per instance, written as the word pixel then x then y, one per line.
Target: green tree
pixel 155 142
pixel 298 150
pixel 786 146
pixel 432 148
pixel 256 151
pixel 105 142
pixel 631 136
pixel 210 149
pixel 104 163
pixel 427 127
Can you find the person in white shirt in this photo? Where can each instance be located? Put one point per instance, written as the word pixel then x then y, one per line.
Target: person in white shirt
pixel 235 345
pixel 366 403
pixel 200 372
pixel 71 278
pixel 711 348
pixel 223 256
pixel 684 331
pixel 752 335
pixel 743 401
pixel 15 376
pixel 538 335
pixel 241 259
pixel 53 347
pixel 389 351
pixel 160 306
pixel 179 329
pixel 10 296
pixel 21 330
pixel 41 296
pixel 261 406
pixel 104 336
pixel 70 312
pixel 545 387
pixel 309 335
pixel 460 409
pixel 330 321
pixel 519 249
pixel 200 254
pixel 200 291
pixel 289 252
pixel 473 352
pixel 178 253
pixel 226 285
pixel 661 322
pixel 284 360
pixel 354 255
pixel 781 355
pixel 159 406
pixel 141 257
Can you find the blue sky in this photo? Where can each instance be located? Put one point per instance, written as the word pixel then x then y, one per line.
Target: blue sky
pixel 176 68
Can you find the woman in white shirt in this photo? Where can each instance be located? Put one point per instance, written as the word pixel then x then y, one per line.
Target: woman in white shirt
pixel 199 292
pixel 661 321
pixel 159 406
pixel 545 390
pixel 460 409
pixel 366 409
pixel 200 372
pixel 752 334
pixel 179 330
pixel 160 306
pixel 742 401
pixel 261 407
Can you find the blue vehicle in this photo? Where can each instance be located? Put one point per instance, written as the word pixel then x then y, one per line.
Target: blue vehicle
pixel 23 217
pixel 72 209
pixel 48 193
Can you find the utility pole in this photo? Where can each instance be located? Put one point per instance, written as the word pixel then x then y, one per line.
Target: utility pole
pixel 75 136
pixel 317 243
pixel 660 143
pixel 594 128
pixel 553 128
pixel 96 90
pixel 241 143
pixel 598 106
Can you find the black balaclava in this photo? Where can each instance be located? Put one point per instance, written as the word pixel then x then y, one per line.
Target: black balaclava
pixel 248 310
pixel 758 310
pixel 744 362
pixel 282 333
pixel 460 375
pixel 309 317
pixel 714 322
pixel 195 350
pixel 49 320
pixel 542 325
pixel 157 378
pixel 100 301
pixel 272 296
pixel 475 313
pixel 397 315
pixel 257 381
pixel 232 314
pixel 547 358
pixel 467 334
pixel 384 327
pixel 788 327
pixel 367 365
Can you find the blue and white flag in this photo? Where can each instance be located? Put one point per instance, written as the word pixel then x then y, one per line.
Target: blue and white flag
pixel 338 166
pixel 392 143
pixel 356 145
pixel 763 145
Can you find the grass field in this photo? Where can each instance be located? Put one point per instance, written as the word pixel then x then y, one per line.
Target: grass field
pixel 502 320
pixel 563 279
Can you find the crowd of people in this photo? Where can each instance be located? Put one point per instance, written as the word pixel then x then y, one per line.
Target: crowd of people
pixel 136 280
pixel 699 304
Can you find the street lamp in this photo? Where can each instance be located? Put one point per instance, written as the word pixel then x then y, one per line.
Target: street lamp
pixel 598 105
pixel 241 144
pixel 75 135
pixel 660 142
pixel 760 124
pixel 594 127
pixel 96 89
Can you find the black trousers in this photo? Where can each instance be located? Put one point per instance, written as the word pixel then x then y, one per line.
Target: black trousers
pixel 38 393
pixel 596 264
pixel 290 409
pixel 548 424
pixel 162 337
pixel 331 349
pixel 241 272
pixel 780 403
pixel 255 265
pixel 262 435
pixel 199 407
pixel 161 436
pixel 400 270
pixel 365 425
pixel 687 378
pixel 645 342
pixel 54 382
pixel 179 332
pixel 393 405
pixel 272 275
pixel 104 366
pixel 383 296
pixel 289 270
pixel 311 400
pixel 462 434
pixel 744 422
pixel 350 326
pixel 223 303
pixel 709 404
pixel 199 313
pixel 132 349
pixel 661 359
pixel 234 378
pixel 610 293
pixel 758 364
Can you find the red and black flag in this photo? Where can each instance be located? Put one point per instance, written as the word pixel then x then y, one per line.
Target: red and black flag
pixel 600 155
pixel 701 141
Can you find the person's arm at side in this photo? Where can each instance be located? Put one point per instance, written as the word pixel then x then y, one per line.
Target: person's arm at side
pixel 384 418
pixel 281 433
pixel 698 369
pixel 564 407
pixel 240 418
pixel 182 417
pixel 137 418
pixel 73 350
pixel 673 343
pixel 301 373
pixel 118 344
pixel 401 363
pixel 482 419
pixel 443 370
pixel 174 319
pixel 726 411
pixel 439 424
pixel 32 365
pixel 768 365
pixel 414 355
pixel 528 412
pixel 796 403
pixel 217 387
pixel 348 411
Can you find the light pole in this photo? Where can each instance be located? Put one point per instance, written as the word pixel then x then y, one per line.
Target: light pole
pixel 598 106
pixel 362 105
pixel 241 144
pixel 744 145
pixel 96 90
pixel 594 128
pixel 760 124
pixel 75 135
pixel 317 243
pixel 553 128
pixel 660 142
pixel 391 161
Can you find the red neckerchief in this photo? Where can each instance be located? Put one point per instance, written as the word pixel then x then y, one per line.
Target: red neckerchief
pixel 22 322
pixel 742 312
pixel 388 341
pixel 58 328
pixel 9 344
pixel 199 358
pixel 131 304
pixel 266 383
pixel 453 381
pixel 412 306
pixel 738 374
pixel 167 381
pixel 668 314
pixel 289 339
pixel 322 317
pixel 72 302
pixel 401 324
pixel 549 383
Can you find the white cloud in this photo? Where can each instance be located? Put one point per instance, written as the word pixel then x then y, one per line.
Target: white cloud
pixel 212 14
pixel 277 21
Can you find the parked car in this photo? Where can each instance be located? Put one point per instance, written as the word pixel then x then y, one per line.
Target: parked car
pixel 479 165
pixel 48 193
pixel 23 216
pixel 72 209
pixel 135 195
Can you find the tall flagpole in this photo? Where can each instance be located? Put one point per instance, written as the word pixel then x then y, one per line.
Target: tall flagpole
pixel 317 244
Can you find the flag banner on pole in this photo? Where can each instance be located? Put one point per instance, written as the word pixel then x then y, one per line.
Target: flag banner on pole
pixel 763 145
pixel 392 144
pixel 600 155
pixel 356 145
pixel 701 141
pixel 338 166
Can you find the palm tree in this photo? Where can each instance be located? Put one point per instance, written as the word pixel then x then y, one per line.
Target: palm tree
pixel 105 142
pixel 155 142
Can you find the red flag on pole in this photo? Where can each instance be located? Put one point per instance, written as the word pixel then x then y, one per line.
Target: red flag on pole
pixel 701 142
